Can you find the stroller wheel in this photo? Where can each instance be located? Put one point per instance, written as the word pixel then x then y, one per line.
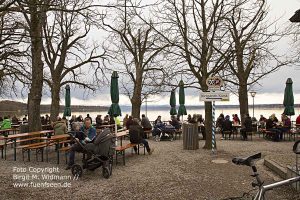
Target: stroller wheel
pixel 105 172
pixel 77 170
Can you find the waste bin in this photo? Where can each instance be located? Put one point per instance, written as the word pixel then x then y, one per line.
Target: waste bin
pixel 190 136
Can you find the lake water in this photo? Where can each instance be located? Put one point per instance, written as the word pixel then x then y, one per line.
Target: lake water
pixel 164 112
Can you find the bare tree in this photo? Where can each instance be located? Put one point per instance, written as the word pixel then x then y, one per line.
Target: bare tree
pixel 251 40
pixel 69 56
pixel 194 29
pixel 12 67
pixel 138 53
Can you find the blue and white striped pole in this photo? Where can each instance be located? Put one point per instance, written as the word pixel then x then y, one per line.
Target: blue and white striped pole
pixel 213 128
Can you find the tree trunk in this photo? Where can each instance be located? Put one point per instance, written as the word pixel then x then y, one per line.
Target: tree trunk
pixel 37 19
pixel 136 101
pixel 136 108
pixel 54 112
pixel 243 100
pixel 208 125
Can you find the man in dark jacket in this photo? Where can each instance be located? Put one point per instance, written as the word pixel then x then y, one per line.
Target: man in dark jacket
pixel 247 127
pixel 227 126
pixel 136 133
pixel 174 122
pixel 146 123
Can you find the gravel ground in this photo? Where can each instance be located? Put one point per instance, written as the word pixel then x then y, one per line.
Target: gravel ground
pixel 169 173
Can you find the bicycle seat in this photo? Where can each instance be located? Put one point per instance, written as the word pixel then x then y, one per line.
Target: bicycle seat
pixel 246 161
pixel 296 147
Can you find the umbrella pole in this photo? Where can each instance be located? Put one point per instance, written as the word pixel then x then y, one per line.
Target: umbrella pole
pixel 116 131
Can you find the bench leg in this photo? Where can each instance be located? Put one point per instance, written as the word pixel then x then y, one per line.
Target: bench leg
pixel 36 155
pixel 66 155
pixel 28 152
pixel 42 150
pixel 123 157
pixel 116 157
pixel 2 153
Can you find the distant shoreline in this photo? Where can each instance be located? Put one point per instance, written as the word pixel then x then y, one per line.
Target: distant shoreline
pixel 18 107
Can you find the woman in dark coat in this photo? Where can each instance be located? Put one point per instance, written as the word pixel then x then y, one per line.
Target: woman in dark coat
pixel 136 133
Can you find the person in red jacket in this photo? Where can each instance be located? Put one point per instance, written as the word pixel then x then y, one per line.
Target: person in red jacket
pixel 298 119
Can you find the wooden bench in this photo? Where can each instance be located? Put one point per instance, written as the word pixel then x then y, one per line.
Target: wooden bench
pixel 38 147
pixel 148 133
pixel 249 133
pixel 26 140
pixel 178 132
pixel 291 134
pixel 229 133
pixel 120 150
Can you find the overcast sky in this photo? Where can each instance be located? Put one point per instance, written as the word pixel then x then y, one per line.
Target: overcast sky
pixel 272 87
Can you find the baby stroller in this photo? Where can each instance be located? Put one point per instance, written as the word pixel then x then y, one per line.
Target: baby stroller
pixel 101 153
pixel 163 132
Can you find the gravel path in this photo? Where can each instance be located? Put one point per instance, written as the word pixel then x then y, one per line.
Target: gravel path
pixel 170 173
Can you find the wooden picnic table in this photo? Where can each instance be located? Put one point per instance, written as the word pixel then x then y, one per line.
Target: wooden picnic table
pixel 14 130
pixel 121 134
pixel 56 139
pixel 21 135
pixel 107 126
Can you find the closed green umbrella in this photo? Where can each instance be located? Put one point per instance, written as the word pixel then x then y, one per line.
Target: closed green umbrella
pixel 114 109
pixel 288 101
pixel 67 111
pixel 173 103
pixel 182 109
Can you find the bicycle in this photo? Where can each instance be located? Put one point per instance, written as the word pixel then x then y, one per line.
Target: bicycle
pixel 262 189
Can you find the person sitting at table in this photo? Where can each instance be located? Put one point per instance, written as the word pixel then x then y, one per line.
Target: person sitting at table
pixel 227 126
pixel 87 135
pixel 247 126
pixel 236 119
pixel 111 120
pixel 298 120
pixel 146 123
pixel 219 122
pixel 99 121
pixel 59 127
pixel 6 123
pixel 189 118
pixel 286 125
pixel 194 119
pixel 25 118
pixel 271 126
pixel 262 122
pixel 118 122
pixel 125 120
pixel 129 122
pixel 89 117
pixel 158 121
pixel 14 120
pixel 178 117
pixel 43 121
pixel 274 118
pixel 174 122
pixel 136 134
pixel 47 119
pixel 201 127
pixel 106 120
